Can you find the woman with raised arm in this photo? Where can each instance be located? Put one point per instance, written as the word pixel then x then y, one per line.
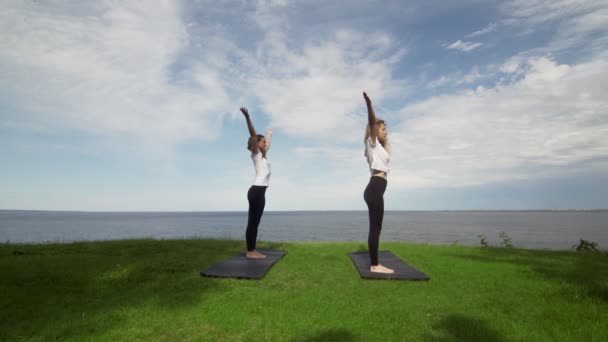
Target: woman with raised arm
pixel 376 151
pixel 258 145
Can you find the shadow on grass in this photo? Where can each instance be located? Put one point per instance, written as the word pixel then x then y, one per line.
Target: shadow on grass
pixel 341 335
pixel 580 270
pixel 79 290
pixel 462 328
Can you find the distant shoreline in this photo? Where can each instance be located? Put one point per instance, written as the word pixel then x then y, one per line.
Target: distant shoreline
pixel 298 211
pixel 553 229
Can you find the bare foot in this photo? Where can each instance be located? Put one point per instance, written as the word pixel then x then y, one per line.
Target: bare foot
pixel 381 269
pixel 255 255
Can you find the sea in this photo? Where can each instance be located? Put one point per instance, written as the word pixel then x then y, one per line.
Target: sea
pixel 545 229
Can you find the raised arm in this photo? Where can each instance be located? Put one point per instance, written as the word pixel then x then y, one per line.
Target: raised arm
pixel 253 137
pixel 371 118
pixel 268 139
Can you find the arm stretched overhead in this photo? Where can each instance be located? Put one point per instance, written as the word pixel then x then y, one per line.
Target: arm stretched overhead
pixel 371 118
pixel 253 137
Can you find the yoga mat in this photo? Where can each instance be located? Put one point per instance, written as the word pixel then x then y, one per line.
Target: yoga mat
pixel 243 268
pixel 403 271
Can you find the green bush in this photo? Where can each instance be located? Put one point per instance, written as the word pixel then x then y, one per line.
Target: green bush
pixel 506 240
pixel 587 246
pixel 483 241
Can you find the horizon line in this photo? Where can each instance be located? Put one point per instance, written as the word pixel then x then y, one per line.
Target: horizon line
pixel 311 210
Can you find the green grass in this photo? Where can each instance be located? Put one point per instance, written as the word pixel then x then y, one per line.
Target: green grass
pixel 151 290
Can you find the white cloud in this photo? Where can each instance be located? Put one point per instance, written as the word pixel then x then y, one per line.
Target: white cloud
pixel 489 28
pixel 578 24
pixel 331 152
pixel 552 120
pixel 513 65
pixel 538 11
pixel 459 78
pixel 464 46
pixel 130 70
pixel 588 30
pixel 312 88
pixel 315 91
pixel 106 68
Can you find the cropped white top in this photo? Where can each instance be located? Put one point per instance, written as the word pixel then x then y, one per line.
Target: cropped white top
pixel 262 169
pixel 377 156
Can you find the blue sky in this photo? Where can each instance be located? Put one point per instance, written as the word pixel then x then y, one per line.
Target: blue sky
pixel 130 105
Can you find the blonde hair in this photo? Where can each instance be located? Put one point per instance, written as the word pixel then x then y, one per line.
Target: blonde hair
pixel 368 133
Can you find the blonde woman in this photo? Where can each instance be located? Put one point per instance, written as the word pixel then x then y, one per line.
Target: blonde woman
pixel 377 153
pixel 258 145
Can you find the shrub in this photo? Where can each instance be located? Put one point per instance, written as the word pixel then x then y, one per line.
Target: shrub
pixel 506 240
pixel 483 241
pixel 587 246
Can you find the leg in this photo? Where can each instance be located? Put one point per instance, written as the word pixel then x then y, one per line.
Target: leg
pixel 380 211
pixel 371 199
pixel 375 203
pixel 259 211
pixel 256 197
pixel 373 238
pixel 253 219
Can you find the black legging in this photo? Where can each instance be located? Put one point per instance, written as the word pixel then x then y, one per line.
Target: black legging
pixel 257 201
pixel 373 195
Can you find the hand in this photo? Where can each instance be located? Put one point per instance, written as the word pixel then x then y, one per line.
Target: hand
pixel 269 132
pixel 367 99
pixel 245 111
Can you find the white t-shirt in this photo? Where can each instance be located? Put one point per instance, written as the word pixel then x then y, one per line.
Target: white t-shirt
pixel 262 169
pixel 377 156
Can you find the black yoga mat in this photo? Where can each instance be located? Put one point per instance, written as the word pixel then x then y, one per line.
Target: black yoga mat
pixel 403 271
pixel 243 268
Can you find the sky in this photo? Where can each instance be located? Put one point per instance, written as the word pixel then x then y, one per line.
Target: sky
pixel 134 105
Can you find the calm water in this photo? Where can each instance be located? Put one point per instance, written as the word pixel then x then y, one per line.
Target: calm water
pixel 528 229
